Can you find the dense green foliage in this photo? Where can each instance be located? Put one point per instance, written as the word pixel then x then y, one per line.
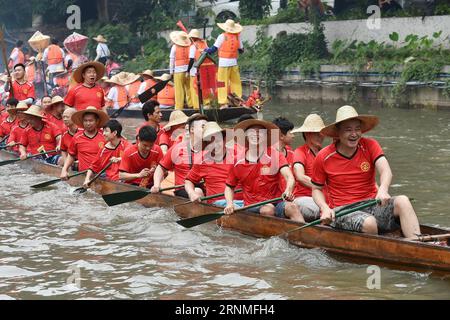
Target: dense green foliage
pixel 254 9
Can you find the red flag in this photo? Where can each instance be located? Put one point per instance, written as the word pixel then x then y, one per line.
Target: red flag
pixel 181 25
pixel 208 80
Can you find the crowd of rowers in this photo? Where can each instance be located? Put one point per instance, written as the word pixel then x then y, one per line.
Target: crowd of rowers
pixel 255 156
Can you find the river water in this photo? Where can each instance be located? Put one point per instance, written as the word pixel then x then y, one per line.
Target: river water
pixel 56 245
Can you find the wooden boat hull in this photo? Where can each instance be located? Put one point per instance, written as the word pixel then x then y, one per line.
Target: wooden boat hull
pixel 219 115
pixel 388 250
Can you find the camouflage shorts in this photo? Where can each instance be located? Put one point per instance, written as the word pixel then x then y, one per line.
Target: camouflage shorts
pixel 308 208
pixel 386 221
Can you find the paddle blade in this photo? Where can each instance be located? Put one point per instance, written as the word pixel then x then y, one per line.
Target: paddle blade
pixel 115 199
pixel 195 221
pixel 79 190
pixel 45 184
pixel 4 163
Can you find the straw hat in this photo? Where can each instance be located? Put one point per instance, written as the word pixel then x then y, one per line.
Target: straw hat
pixel 196 117
pixel 34 111
pixel 176 117
pixel 368 122
pixel 123 78
pixel 147 72
pixel 99 67
pixel 212 128
pixel 100 38
pixel 246 124
pixel 180 38
pixel 56 100
pixel 165 77
pixel 21 106
pixel 230 26
pixel 313 123
pixel 195 33
pixel 77 117
pixel 58 70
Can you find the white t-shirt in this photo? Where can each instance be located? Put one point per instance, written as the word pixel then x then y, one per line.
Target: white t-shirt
pixel 173 68
pixel 113 95
pixel 226 62
pixel 102 51
pixel 192 52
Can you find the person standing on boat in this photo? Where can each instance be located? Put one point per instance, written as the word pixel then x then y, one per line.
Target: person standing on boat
pixel 348 168
pixel 54 112
pixel 23 90
pixel 40 136
pixel 303 161
pixel 229 45
pixel 67 136
pixel 102 50
pixel 111 152
pixel 259 169
pixel 215 167
pixel 139 161
pixel 195 51
pixel 166 97
pixel 87 92
pixel 18 130
pixel 179 64
pixel 86 144
pixel 173 131
pixel 181 156
pixel 54 58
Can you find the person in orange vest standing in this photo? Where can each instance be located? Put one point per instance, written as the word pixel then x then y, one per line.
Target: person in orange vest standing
pixel 196 49
pixel 166 97
pixel 53 57
pixel 229 45
pixel 17 56
pixel 179 63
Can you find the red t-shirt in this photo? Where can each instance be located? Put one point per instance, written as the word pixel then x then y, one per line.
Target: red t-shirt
pixel 304 156
pixel 33 139
pixel 102 160
pixel 23 91
pixel 261 180
pixel 16 135
pixel 159 132
pixel 289 155
pixel 81 97
pixel 6 126
pixel 3 115
pixel 66 140
pixel 133 162
pixel 58 122
pixel 180 161
pixel 167 138
pixel 348 180
pixel 85 149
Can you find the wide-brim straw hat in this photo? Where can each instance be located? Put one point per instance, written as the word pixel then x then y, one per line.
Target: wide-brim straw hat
pixel 123 78
pixel 176 117
pixel 165 77
pixel 55 100
pixel 21 106
pixel 212 128
pixel 195 33
pixel 368 122
pixel 230 26
pixel 147 72
pixel 312 123
pixel 35 111
pixel 246 124
pixel 180 38
pixel 77 117
pixel 100 38
pixel 58 69
pixel 99 67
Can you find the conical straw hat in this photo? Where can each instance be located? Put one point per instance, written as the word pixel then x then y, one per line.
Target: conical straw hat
pixel 39 42
pixel 180 38
pixel 312 123
pixel 230 26
pixel 368 122
pixel 176 117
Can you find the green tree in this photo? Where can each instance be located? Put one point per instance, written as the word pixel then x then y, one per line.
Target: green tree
pixel 254 9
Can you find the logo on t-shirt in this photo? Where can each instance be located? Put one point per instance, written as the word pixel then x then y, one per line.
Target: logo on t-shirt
pixel 265 170
pixel 365 166
pixel 25 90
pixel 47 136
pixel 99 94
pixel 101 144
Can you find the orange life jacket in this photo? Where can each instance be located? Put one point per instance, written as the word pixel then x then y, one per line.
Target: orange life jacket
pixel 31 72
pixel 54 55
pixel 230 46
pixel 148 84
pixel 20 58
pixel 181 56
pixel 122 96
pixel 167 96
pixel 201 45
pixel 133 90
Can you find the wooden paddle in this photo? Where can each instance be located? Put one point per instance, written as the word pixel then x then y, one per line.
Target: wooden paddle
pixel 425 238
pixel 5 61
pixel 149 93
pixel 4 163
pixel 4 138
pixel 195 221
pixel 115 199
pixel 51 182
pixel 206 198
pixel 119 111
pixel 340 213
pixel 81 190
